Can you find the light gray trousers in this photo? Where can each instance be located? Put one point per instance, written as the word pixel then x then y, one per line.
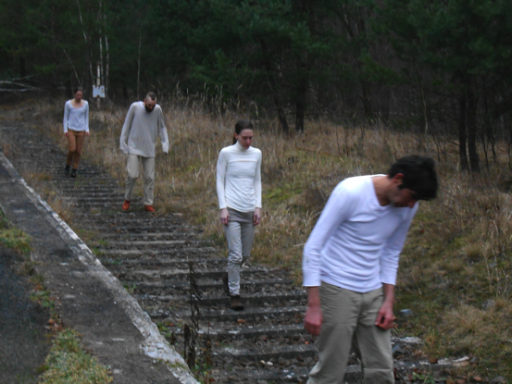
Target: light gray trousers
pixel 349 320
pixel 240 236
pixel 132 173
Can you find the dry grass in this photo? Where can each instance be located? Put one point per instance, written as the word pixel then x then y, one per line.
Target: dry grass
pixel 459 250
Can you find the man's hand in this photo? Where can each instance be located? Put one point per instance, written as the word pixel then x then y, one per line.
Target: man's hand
pixel 66 134
pixel 257 216
pixel 224 216
pixel 385 317
pixel 87 133
pixel 314 318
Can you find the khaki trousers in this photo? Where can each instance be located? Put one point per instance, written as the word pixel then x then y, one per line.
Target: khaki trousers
pixel 349 320
pixel 132 173
pixel 75 142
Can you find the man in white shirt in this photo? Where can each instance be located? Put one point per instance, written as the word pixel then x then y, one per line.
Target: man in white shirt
pixel 350 264
pixel 144 123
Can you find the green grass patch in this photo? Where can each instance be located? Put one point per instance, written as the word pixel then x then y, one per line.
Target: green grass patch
pixel 43 298
pixel 14 238
pixel 69 363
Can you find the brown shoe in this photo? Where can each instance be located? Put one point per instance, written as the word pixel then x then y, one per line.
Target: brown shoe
pixel 149 208
pixel 236 303
pixel 126 205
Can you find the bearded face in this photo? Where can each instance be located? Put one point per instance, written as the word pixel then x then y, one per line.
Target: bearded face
pixel 149 104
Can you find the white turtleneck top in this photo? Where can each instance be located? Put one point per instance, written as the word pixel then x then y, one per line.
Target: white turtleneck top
pixel 356 242
pixel 239 178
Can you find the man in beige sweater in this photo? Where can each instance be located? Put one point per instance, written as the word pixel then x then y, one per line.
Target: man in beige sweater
pixel 144 123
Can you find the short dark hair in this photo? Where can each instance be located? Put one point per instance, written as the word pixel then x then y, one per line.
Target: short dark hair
pixel 241 125
pixel 151 95
pixel 420 175
pixel 78 89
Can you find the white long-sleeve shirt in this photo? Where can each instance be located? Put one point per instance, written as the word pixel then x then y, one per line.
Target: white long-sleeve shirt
pixel 141 130
pixel 76 119
pixel 356 242
pixel 239 178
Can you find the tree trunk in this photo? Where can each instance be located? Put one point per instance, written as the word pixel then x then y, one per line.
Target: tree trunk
pixel 274 86
pixel 107 54
pixel 281 115
pixel 300 106
pixel 366 98
pixel 464 166
pixel 125 88
pixel 23 69
pixel 87 43
pixel 472 127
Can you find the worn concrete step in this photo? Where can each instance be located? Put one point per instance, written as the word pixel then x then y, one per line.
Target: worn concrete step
pixel 290 298
pixel 134 243
pixel 131 244
pixel 141 230
pixel 227 314
pixel 198 273
pixel 176 263
pixel 248 332
pixel 125 218
pixel 91 197
pixel 109 204
pixel 130 236
pixel 80 176
pixel 262 353
pixel 271 375
pixel 179 252
pixel 80 187
pixel 177 286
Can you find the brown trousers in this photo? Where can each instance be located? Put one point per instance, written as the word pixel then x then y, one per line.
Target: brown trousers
pixel 75 141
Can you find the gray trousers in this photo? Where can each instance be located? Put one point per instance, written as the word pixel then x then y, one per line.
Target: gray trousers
pixel 132 173
pixel 349 320
pixel 240 236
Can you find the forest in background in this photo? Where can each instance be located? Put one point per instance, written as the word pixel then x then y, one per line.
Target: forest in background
pixel 437 68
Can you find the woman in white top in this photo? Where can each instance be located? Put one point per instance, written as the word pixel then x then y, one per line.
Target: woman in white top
pixel 76 127
pixel 239 192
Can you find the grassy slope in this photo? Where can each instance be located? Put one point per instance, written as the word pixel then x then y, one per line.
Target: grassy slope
pixel 458 253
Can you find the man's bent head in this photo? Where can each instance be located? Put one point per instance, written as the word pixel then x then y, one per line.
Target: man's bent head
pixel 150 102
pixel 416 177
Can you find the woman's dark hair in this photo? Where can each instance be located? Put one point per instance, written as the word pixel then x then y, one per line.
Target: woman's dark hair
pixel 420 175
pixel 240 126
pixel 78 89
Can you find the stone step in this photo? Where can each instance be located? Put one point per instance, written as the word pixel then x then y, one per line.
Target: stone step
pixel 113 198
pixel 132 243
pixel 266 353
pixel 130 235
pixel 198 273
pixel 172 251
pixel 125 218
pixel 248 332
pixel 176 286
pixel 291 298
pixel 92 195
pixel 177 263
pixel 89 187
pixel 228 314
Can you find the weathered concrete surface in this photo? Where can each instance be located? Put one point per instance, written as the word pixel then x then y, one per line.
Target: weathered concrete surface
pixel 88 297
pixel 23 341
